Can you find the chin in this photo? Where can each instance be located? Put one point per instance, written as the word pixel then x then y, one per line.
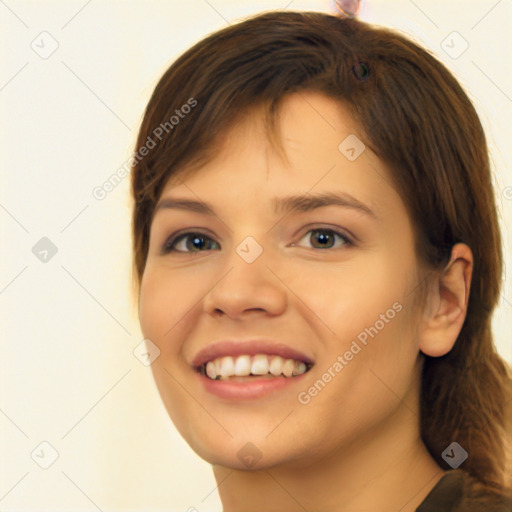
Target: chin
pixel 247 450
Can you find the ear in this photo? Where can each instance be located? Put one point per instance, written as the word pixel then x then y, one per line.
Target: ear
pixel 447 304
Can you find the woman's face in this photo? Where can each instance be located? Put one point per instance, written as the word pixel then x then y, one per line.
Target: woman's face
pixel 326 288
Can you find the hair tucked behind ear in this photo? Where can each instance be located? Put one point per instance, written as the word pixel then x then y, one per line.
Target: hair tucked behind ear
pixel 416 118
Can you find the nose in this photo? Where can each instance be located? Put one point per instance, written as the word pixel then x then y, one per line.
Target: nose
pixel 247 287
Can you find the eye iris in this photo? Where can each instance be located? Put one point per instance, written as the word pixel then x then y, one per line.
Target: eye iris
pixel 322 235
pixel 196 240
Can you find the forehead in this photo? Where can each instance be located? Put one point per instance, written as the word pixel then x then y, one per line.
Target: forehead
pixel 324 151
pixel 300 116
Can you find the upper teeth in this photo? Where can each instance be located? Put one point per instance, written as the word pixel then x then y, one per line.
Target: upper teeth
pixel 259 364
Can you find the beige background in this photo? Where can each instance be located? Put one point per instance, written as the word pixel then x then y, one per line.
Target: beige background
pixel 68 373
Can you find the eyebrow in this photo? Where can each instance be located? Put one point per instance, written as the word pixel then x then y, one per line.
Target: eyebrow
pixel 282 205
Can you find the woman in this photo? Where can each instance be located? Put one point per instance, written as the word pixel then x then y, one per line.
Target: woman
pixel 317 258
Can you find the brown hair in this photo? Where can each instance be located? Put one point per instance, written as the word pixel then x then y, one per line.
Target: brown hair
pixel 416 117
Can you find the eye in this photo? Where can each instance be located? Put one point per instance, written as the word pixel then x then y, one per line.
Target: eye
pixel 196 243
pixel 191 241
pixel 324 237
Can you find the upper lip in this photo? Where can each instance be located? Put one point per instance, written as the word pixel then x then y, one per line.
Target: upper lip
pixel 248 347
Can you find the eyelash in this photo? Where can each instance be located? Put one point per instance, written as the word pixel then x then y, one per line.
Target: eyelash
pixel 173 239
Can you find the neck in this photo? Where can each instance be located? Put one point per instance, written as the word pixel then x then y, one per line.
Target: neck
pixel 387 468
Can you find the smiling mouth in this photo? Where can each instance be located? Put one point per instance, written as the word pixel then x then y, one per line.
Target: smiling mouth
pixel 246 367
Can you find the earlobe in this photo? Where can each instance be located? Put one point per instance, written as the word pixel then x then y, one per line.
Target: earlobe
pixel 442 324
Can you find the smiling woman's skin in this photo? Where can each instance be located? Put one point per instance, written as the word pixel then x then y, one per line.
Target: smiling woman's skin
pixel 356 444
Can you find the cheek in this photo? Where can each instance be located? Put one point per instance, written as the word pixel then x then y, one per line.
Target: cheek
pixel 163 308
pixel 352 296
pixel 371 380
pixel 367 308
pixel 164 304
pixel 153 310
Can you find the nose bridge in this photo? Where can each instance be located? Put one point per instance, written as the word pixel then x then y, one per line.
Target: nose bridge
pixel 247 283
pixel 247 261
pixel 250 233
pixel 250 249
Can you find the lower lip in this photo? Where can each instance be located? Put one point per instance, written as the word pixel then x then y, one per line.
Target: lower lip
pixel 237 390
